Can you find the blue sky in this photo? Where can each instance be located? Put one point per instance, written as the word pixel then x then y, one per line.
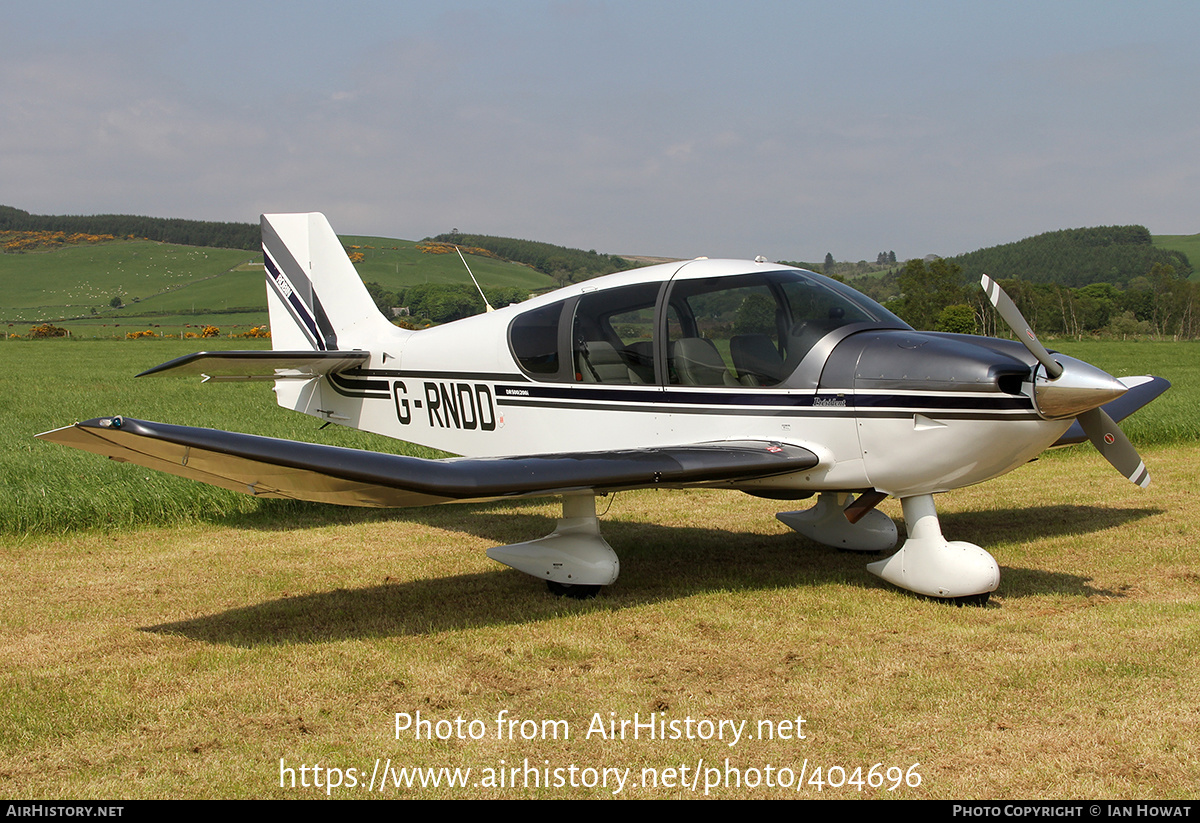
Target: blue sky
pixel 788 129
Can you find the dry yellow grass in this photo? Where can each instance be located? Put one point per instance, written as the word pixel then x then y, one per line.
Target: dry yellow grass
pixel 187 662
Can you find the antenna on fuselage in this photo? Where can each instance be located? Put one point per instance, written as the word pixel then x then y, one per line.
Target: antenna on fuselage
pixel 473 280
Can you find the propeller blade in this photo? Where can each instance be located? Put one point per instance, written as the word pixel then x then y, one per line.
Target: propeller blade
pixel 1016 321
pixel 1111 442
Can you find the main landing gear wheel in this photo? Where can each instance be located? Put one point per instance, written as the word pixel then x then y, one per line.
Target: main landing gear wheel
pixel 975 600
pixel 573 552
pixel 574 592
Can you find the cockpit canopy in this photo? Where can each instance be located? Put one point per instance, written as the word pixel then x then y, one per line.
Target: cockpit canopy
pixel 747 329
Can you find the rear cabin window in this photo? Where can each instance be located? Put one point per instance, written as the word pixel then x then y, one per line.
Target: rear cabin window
pixel 533 337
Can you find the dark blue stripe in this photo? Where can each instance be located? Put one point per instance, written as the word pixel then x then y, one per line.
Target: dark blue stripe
pixel 674 395
pixel 300 312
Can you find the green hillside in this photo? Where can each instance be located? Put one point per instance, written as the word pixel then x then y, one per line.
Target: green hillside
pixel 1075 257
pixel 172 285
pixel 165 284
pixel 76 281
pixel 397 264
pixel 1188 244
pixel 560 262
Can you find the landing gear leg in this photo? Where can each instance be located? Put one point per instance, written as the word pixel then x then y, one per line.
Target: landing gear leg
pixel 928 564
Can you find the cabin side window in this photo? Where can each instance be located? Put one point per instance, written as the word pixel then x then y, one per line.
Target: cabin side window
pixel 726 332
pixel 612 335
pixel 736 331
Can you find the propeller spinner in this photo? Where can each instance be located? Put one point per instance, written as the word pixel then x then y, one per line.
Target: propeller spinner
pixel 1065 387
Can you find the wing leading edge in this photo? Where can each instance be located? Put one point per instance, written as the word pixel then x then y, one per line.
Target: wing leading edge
pixel 269 467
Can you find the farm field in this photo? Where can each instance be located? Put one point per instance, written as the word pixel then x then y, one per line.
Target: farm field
pixel 161 638
pixel 73 280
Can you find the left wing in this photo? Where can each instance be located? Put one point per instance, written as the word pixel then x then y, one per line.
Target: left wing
pixel 269 467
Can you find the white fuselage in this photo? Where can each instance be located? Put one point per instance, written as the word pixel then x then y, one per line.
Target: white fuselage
pixel 460 388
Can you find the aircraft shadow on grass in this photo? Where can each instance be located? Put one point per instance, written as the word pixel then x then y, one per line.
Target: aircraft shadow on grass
pixel 661 563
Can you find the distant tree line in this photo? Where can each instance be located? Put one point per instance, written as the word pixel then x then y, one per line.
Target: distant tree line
pixel 838 269
pixel 936 296
pixel 442 302
pixel 1070 257
pixel 164 230
pixel 564 264
pixel 800 264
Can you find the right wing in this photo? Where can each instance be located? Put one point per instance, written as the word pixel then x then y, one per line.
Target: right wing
pixel 269 467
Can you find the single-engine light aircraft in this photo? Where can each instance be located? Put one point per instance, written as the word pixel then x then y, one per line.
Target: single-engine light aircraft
pixel 744 375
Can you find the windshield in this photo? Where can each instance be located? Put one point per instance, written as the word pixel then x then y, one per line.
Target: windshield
pixel 755 329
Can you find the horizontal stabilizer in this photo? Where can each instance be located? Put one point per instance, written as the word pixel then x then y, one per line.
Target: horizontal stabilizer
pixel 268 467
pixel 1142 390
pixel 261 365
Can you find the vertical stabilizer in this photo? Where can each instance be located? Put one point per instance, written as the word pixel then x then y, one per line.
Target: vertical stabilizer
pixel 316 298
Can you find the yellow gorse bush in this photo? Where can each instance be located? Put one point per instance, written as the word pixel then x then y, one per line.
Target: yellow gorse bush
pixel 22 241
pixel 448 248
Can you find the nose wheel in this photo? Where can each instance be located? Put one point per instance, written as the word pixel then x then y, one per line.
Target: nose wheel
pixel 928 564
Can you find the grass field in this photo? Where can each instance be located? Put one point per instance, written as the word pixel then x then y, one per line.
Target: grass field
pixel 164 639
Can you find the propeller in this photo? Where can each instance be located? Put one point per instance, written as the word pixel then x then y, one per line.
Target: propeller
pixel 1072 388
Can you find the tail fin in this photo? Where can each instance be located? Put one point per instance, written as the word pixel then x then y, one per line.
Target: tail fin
pixel 316 299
